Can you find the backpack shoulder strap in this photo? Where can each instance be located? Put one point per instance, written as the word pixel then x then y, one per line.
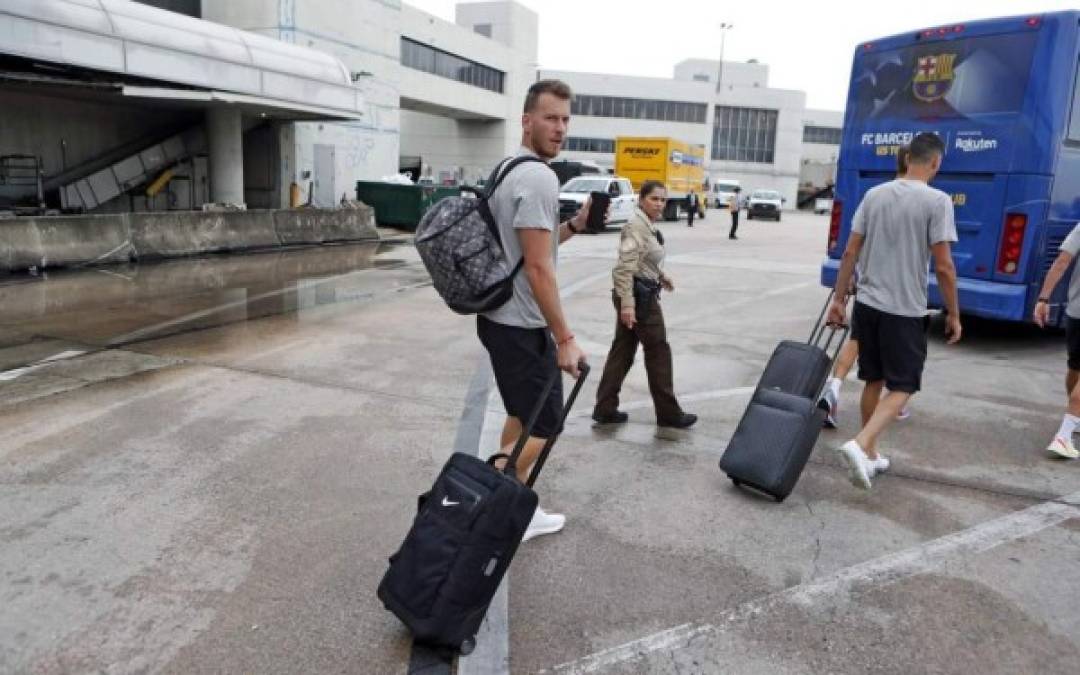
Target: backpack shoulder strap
pixel 511 163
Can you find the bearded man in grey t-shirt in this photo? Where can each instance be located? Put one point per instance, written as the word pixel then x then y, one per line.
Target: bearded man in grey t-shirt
pixel 529 339
pixel 894 232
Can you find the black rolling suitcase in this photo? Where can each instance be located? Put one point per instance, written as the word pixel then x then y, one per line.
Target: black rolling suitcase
pixel 466 532
pixel 777 432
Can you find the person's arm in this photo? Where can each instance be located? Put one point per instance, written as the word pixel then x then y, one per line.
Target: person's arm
pixel 622 276
pixel 945 269
pixel 838 308
pixel 539 269
pixel 941 233
pixel 1041 315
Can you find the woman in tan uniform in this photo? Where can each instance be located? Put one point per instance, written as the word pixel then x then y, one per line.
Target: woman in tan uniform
pixel 638 280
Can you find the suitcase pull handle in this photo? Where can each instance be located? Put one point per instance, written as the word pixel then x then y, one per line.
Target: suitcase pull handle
pixel 511 463
pixel 820 327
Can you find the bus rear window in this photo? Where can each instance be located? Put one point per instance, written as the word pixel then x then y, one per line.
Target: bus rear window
pixel 944 80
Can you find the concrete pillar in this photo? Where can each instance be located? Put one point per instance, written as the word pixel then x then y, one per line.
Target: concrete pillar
pixel 226 138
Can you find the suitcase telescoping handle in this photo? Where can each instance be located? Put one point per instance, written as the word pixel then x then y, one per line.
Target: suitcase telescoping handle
pixel 823 325
pixel 511 463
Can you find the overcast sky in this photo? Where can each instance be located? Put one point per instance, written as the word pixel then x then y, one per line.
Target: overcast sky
pixel 807 45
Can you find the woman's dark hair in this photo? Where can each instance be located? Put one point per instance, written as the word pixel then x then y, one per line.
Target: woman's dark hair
pixel 648 187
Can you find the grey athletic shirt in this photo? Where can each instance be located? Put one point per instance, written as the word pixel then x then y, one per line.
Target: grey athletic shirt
pixel 1071 245
pixel 528 198
pixel 901 220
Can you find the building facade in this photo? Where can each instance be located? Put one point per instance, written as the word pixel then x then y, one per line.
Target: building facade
pixel 438 99
pixel 760 136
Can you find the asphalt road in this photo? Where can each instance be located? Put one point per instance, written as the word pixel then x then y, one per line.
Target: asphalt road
pixel 204 465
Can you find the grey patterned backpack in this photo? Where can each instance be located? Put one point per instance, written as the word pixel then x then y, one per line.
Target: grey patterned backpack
pixel 459 242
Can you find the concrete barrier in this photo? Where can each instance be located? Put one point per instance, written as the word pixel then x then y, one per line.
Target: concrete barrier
pixel 84 240
pixel 321 226
pixel 67 241
pixel 63 242
pixel 182 233
pixel 20 245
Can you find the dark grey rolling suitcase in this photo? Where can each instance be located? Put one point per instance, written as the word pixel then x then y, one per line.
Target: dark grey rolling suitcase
pixel 466 532
pixel 777 432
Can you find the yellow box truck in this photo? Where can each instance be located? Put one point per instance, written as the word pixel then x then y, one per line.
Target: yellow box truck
pixel 677 164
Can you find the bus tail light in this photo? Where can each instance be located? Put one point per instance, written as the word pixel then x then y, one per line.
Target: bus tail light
pixel 834 225
pixel 1012 243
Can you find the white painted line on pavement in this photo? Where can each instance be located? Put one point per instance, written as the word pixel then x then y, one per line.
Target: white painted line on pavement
pixel 15 373
pixel 711 395
pixel 884 570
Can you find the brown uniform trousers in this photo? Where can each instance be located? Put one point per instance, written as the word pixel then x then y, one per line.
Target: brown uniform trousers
pixel 652 335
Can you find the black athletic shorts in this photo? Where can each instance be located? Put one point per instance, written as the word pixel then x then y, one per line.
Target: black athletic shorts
pixel 891 347
pixel 1072 338
pixel 524 361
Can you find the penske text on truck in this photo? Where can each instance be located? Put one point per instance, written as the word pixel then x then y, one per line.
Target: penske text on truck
pixel 678 165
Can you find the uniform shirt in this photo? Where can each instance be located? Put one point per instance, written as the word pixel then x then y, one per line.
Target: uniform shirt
pixel 640 255
pixel 1071 245
pixel 900 220
pixel 528 198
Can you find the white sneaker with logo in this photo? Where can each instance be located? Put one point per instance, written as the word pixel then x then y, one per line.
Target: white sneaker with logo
pixel 543 523
pixel 1063 447
pixel 857 463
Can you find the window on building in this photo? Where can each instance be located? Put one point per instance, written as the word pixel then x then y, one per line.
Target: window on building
pixel 701 77
pixel 583 144
pixel 636 108
pixel 483 29
pixel 423 57
pixel 744 134
pixel 825 135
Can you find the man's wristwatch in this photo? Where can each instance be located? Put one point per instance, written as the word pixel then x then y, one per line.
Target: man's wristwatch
pixel 1046 300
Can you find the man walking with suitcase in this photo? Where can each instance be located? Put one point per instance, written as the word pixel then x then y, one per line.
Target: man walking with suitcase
pixel 528 338
pixel 895 230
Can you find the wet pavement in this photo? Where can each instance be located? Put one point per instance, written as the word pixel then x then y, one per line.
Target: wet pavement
pixel 205 463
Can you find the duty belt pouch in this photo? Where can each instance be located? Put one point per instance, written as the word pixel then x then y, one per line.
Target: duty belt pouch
pixel 645 293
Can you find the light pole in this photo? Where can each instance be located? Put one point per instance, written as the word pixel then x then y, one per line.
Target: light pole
pixel 724 28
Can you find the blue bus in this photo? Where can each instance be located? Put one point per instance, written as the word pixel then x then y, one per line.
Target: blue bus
pixel 1004 95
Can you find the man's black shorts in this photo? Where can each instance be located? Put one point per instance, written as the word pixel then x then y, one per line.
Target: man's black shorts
pixel 891 347
pixel 524 361
pixel 1072 338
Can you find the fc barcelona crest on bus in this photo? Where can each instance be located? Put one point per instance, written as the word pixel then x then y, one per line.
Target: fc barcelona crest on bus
pixel 933 77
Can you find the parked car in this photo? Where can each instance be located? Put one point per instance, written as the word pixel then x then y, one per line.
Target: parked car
pixel 723 190
pixel 765 204
pixel 576 191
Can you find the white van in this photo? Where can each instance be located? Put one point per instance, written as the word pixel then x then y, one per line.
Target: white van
pixel 723 189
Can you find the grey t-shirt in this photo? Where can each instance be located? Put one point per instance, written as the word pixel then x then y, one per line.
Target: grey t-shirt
pixel 528 198
pixel 1071 245
pixel 901 220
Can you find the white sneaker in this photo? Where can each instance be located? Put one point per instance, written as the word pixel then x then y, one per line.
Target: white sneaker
pixel 903 414
pixel 857 463
pixel 543 523
pixel 831 405
pixel 879 465
pixel 1062 447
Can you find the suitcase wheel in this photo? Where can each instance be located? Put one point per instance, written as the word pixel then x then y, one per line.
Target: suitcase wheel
pixel 779 499
pixel 467 646
pixel 736 481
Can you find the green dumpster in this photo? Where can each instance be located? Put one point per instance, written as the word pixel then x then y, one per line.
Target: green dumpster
pixel 400 205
